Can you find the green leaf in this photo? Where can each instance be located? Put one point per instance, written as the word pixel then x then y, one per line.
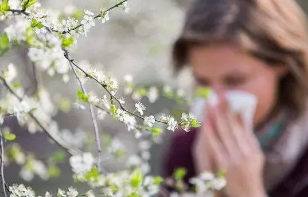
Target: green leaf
pixel 113 110
pixel 92 175
pixel 78 14
pixel 221 174
pixel 203 92
pixel 1 110
pixel 169 95
pixel 28 3
pixel 15 151
pixel 54 171
pixel 4 6
pixel 156 131
pixel 30 36
pixel 106 140
pixel 134 194
pixel 119 153
pixel 158 180
pixel 195 123
pixel 35 23
pixel 66 42
pixel 58 156
pixel 8 135
pixel 65 105
pixel 136 179
pixel 4 43
pixel 82 97
pixel 16 85
pixel 180 173
pixel 142 91
pixel 114 188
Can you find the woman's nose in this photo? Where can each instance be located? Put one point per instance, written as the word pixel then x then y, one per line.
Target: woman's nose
pixel 218 88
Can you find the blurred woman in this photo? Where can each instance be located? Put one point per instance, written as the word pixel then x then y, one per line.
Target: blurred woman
pixel 260 47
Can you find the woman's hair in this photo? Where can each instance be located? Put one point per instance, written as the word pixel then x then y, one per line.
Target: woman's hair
pixel 271 30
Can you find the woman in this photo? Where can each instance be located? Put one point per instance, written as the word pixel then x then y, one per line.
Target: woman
pixel 257 46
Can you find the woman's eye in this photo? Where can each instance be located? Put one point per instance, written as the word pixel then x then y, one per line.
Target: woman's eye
pixel 203 82
pixel 235 81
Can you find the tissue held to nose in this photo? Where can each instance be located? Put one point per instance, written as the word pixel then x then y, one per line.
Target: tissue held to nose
pixel 239 102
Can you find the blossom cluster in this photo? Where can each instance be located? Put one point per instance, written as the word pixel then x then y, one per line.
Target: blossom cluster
pixel 50 36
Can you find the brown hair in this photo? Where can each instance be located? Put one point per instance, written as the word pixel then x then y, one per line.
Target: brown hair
pixel 271 30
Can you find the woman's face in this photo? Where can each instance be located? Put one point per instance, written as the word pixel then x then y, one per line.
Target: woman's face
pixel 226 67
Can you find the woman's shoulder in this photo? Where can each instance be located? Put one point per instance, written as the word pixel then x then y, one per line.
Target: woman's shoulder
pixel 183 138
pixel 179 154
pixel 296 183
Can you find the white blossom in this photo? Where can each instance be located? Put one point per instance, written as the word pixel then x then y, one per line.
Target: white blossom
pixel 138 134
pixel 149 121
pixel 121 100
pixel 172 124
pixel 180 92
pixel 136 96
pixel 140 107
pixel 101 114
pixel 128 78
pixel 90 194
pixel 134 160
pixel 93 98
pixel 125 7
pixel 167 89
pixel 105 17
pixel 106 102
pixel 61 193
pixel 87 22
pixel 144 145
pixel 21 191
pixel 47 194
pixel 26 174
pixel 11 73
pixel 145 155
pixel 130 122
pixel 72 192
pixel 77 105
pixel 81 163
pixel 218 184
pixel 40 169
pixel 153 94
pixel 16 31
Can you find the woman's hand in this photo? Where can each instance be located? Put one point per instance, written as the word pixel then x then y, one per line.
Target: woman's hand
pixel 225 144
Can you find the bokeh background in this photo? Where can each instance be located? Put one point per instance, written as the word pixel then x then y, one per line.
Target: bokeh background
pixel 137 43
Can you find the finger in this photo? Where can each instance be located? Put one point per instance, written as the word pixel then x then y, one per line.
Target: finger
pixel 247 139
pixel 222 130
pixel 202 155
pixel 216 149
pixel 238 132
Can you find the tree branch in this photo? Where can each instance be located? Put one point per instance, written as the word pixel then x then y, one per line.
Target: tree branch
pixel 66 55
pixel 93 116
pixel 97 16
pixel 1 164
pixel 20 12
pixel 70 150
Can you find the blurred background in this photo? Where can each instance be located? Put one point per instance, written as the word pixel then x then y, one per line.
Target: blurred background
pixel 137 43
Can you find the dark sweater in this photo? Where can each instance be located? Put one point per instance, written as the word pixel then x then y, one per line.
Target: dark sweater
pixel 180 155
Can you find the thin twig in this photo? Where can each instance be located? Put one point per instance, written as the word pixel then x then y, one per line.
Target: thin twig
pixel 93 116
pixel 23 11
pixel 70 150
pixel 19 12
pixel 66 55
pixel 2 163
pixel 95 17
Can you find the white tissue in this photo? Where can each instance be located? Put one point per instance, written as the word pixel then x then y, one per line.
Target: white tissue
pixel 239 102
